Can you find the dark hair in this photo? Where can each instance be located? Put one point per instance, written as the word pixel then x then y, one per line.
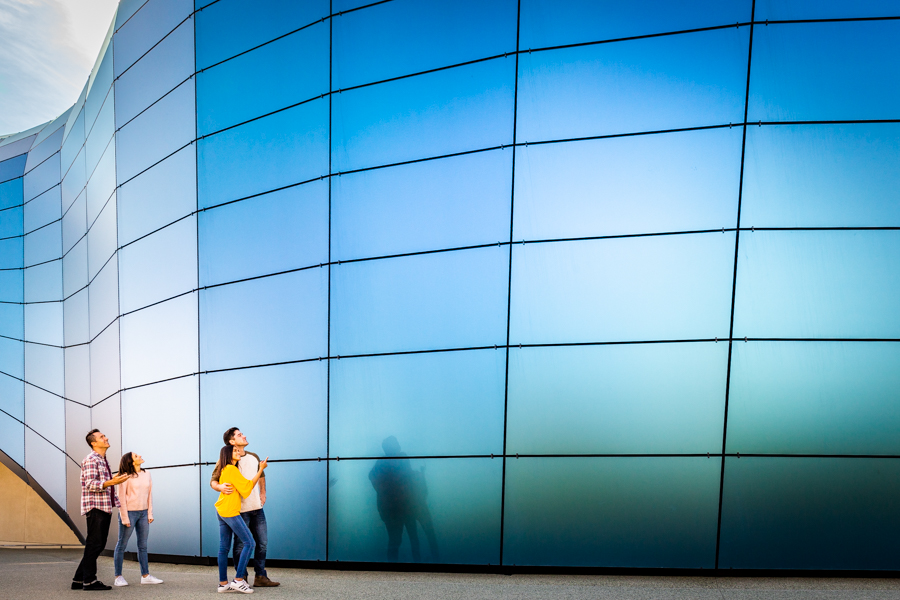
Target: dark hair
pixel 89 438
pixel 126 465
pixel 229 435
pixel 226 455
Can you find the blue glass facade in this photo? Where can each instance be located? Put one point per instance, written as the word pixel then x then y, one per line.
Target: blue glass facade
pixel 532 283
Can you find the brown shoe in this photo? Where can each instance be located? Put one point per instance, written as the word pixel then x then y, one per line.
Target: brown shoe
pixel 263 581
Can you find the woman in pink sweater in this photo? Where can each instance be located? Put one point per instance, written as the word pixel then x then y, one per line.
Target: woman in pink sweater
pixel 135 513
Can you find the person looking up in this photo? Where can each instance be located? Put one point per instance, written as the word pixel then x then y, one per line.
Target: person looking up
pixel 135 514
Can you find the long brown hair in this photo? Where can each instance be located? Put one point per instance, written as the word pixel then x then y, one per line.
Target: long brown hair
pixel 226 455
pixel 126 465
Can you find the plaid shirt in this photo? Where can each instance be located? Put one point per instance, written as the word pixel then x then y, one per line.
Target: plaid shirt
pixel 94 472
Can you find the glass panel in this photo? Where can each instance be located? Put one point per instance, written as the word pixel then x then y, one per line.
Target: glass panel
pixel 105 364
pixel 102 183
pixel 814 398
pixel 74 222
pixel 17 147
pixel 267 234
pixel 804 175
pixel 75 311
pixel 44 209
pixel 160 70
pixel 45 414
pixel 611 512
pixel 445 300
pixel 278 150
pixel 73 182
pixel 819 71
pixel 620 399
pixel 45 149
pixel 264 80
pixel 450 507
pixel 99 91
pixel 300 534
pixel 106 416
pixel 74 138
pixel 75 268
pixel 99 138
pixel 11 220
pixel 158 196
pixel 176 512
pixel 810 513
pixel 12 285
pixel 44 367
pixel 12 253
pixel 103 295
pixel 642 184
pixel 546 23
pixel 12 168
pixel 102 239
pixel 12 357
pixel 44 244
pixel 44 323
pixel 12 438
pixel 158 132
pixel 11 193
pixel 653 288
pixel 146 28
pixel 297 393
pixel 409 36
pixel 666 82
pixel 42 178
pixel 78 423
pixel 824 9
pixel 146 414
pixel 160 342
pixel 230 27
pixel 126 9
pixel 47 465
pixel 78 379
pixel 421 400
pixel 73 493
pixel 159 266
pixel 269 320
pixel 12 397
pixel 818 284
pixel 439 113
pixel 447 203
pixel 12 321
pixel 44 282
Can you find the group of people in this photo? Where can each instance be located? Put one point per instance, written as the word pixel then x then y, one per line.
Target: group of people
pixel 130 489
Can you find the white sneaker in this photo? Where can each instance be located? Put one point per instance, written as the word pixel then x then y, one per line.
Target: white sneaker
pixel 224 588
pixel 241 586
pixel 150 579
pixel 120 581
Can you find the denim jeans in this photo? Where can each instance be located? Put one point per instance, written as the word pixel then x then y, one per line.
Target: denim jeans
pixel 236 526
pixel 256 522
pixel 140 523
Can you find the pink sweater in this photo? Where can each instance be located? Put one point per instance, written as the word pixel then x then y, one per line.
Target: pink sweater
pixel 135 493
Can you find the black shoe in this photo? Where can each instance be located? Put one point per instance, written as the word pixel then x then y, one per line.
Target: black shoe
pixel 97 585
pixel 77 585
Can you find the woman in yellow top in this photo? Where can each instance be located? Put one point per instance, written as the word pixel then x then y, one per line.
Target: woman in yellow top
pixel 228 507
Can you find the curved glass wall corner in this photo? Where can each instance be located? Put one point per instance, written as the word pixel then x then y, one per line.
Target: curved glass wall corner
pixel 512 283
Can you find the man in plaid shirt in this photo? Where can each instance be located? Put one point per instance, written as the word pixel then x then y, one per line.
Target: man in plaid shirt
pixel 98 499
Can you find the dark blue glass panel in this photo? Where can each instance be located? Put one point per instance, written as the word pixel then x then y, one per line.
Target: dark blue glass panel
pixel 74 223
pixel 47 464
pixel 75 318
pixel 446 203
pixel 45 414
pixel 104 362
pixel 44 209
pixel 44 244
pixel 409 36
pixel 269 320
pixel 44 325
pixel 824 9
pixel 11 253
pixel 628 289
pixel 12 284
pixel 146 28
pixel 450 111
pixel 611 512
pixel 102 239
pixel 12 434
pixel 12 357
pixel 823 71
pixel 266 234
pixel 445 300
pixel 11 222
pixel 160 342
pixel 102 183
pixel 74 181
pixel 548 23
pixel 12 168
pixel 158 266
pixel 278 150
pixel 103 80
pixel 159 131
pixel 230 27
pixel 41 178
pixel 666 82
pixel 451 505
pixel 158 196
pixel 655 183
pixel 297 393
pixel 12 321
pixel 806 175
pixel 103 297
pixel 44 282
pixel 619 399
pixel 814 398
pixel 157 72
pixel 146 412
pixel 11 193
pixel 422 400
pixel 46 148
pixel 176 512
pixel 264 80
pixel 810 513
pixel 812 284
pixel 12 399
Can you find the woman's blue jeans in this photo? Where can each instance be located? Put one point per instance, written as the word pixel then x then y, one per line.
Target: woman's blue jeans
pixel 139 522
pixel 236 526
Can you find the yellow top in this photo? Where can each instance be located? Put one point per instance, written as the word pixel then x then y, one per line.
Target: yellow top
pixel 229 505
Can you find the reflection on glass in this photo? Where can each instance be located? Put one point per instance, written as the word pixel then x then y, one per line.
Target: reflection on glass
pixel 44 244
pixel 102 183
pixel 176 513
pixel 160 342
pixel 74 222
pixel 102 239
pixel 43 210
pixel 145 28
pixel 104 297
pixel 40 179
pixel 75 268
pixel 103 79
pixel 99 138
pixel 148 410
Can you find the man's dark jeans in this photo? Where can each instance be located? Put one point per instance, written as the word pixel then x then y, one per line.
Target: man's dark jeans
pixel 256 521
pixel 97 532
